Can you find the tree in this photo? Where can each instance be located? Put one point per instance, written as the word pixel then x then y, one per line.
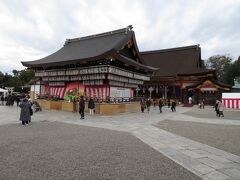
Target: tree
pixel 15 72
pixel 1 79
pixel 220 63
pixel 17 80
pixel 238 79
pixel 26 75
pixel 233 72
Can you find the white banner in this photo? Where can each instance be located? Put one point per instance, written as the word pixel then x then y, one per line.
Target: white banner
pixel 118 92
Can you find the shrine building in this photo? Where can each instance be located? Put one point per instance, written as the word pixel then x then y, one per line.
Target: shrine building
pixel 105 66
pixel 110 68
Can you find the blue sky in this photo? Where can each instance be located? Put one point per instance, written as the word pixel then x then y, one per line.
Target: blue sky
pixel 34 29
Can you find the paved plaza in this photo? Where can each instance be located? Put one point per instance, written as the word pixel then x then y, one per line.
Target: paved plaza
pixel 58 145
pixel 224 137
pixel 208 113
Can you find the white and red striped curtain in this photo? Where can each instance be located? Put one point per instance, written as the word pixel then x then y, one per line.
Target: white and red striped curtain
pixel 231 103
pixel 131 93
pixel 97 91
pixel 57 91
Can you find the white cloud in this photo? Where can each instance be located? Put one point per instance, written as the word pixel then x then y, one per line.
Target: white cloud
pixel 14 53
pixel 33 29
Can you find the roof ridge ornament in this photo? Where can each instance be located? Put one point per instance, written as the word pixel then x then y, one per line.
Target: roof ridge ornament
pixel 128 28
pixel 123 30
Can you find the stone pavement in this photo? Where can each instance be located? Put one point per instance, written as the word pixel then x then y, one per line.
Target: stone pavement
pixel 203 160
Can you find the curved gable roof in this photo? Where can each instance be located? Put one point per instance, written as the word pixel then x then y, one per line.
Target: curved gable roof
pixel 89 48
pixel 219 84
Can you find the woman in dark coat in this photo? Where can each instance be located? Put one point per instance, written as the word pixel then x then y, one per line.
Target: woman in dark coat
pixel 25 116
pixel 91 106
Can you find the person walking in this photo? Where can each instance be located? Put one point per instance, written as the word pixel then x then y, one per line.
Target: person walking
pixel 91 106
pixel 17 100
pixel 203 103
pixel 173 107
pixel 154 102
pixel 168 103
pixel 142 105
pixel 190 100
pixel 148 103
pixel 2 100
pixel 74 104
pixel 31 109
pixel 160 104
pixel 81 107
pixel 25 115
pixel 216 108
pixel 220 109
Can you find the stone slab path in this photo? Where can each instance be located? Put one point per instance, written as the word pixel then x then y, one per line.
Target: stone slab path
pixel 203 160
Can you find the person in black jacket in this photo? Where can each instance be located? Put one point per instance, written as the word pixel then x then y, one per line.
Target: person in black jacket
pixel 173 108
pixel 17 100
pixel 216 107
pixel 2 100
pixel 160 104
pixel 81 107
pixel 142 105
pixel 148 103
pixel 91 106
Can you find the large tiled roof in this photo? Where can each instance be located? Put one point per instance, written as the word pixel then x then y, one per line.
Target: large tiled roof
pixel 89 48
pixel 176 61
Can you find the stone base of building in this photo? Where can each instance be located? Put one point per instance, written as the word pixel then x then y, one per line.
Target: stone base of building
pixel 100 108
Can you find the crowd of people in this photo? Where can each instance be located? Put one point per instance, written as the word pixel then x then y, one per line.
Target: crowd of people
pixel 146 103
pixel 28 107
pixel 9 100
pixel 24 102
